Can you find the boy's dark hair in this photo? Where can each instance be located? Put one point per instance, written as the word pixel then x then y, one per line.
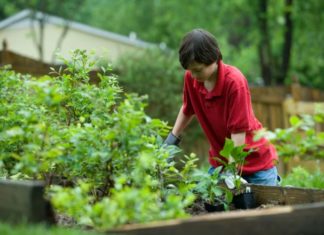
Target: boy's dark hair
pixel 199 46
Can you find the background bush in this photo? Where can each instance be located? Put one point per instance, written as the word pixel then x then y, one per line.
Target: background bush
pixel 300 177
pixel 158 74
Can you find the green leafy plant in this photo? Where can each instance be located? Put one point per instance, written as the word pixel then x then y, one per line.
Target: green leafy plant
pixel 94 139
pixel 301 139
pixel 211 189
pixel 235 158
pixel 300 177
pixel 140 202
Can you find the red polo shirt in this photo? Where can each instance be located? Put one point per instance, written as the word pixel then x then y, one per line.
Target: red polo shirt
pixel 224 110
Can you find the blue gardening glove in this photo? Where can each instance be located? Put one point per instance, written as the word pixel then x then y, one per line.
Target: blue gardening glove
pixel 172 140
pixel 229 179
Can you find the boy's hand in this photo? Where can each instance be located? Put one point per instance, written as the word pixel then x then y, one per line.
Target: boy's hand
pixel 172 140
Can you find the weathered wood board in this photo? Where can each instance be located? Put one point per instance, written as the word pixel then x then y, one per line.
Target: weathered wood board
pixel 23 201
pixel 298 211
pixel 285 195
pixel 287 220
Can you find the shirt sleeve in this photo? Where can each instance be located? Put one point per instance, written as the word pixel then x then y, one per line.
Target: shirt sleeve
pixel 186 100
pixel 240 112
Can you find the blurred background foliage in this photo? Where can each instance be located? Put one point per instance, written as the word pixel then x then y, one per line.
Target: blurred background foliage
pixel 270 41
pixel 243 28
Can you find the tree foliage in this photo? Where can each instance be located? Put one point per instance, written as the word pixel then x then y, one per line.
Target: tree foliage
pixel 270 41
pixel 157 74
pixel 269 46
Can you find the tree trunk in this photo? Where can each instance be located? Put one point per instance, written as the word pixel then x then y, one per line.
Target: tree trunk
pixel 264 46
pixel 286 50
pixel 60 40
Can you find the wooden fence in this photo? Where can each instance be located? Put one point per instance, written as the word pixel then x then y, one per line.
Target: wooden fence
pixel 25 65
pixel 274 105
pixel 22 64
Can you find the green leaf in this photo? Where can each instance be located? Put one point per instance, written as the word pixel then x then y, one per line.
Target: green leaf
pixel 217 191
pixel 294 120
pixel 227 149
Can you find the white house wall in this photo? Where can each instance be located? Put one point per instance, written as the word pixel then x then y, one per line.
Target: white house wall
pixel 19 40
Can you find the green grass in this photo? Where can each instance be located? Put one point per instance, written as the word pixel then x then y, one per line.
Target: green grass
pixel 29 229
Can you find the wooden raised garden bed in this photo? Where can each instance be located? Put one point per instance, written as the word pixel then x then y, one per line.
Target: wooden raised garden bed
pixel 291 211
pixel 23 201
pixel 282 210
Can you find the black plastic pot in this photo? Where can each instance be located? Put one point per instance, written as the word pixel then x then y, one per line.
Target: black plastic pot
pixel 213 208
pixel 244 201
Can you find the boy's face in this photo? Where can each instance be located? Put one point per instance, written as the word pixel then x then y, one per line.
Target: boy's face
pixel 202 72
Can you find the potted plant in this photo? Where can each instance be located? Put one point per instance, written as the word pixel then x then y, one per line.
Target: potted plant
pixel 210 189
pixel 222 188
pixel 243 197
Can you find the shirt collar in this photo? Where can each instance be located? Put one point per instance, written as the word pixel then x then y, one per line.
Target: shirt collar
pixel 217 91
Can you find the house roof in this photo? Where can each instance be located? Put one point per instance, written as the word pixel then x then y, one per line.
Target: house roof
pixel 29 14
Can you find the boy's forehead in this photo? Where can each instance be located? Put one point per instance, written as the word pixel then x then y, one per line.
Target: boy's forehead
pixel 195 65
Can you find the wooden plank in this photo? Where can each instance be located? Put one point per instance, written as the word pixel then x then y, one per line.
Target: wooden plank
pixel 273 117
pixel 296 91
pixel 305 218
pixel 285 195
pixel 311 165
pixel 257 108
pixel 280 116
pixel 274 91
pixel 293 107
pixel 299 219
pixel 270 99
pixel 24 201
pixel 266 116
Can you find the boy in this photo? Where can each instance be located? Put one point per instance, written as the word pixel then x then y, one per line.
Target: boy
pixel 218 95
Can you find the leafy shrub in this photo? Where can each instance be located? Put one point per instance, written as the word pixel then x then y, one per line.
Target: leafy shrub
pixel 211 187
pixel 157 74
pixel 300 177
pixel 105 146
pixel 301 139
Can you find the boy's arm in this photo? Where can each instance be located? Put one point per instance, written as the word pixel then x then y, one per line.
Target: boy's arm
pixel 238 138
pixel 181 123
